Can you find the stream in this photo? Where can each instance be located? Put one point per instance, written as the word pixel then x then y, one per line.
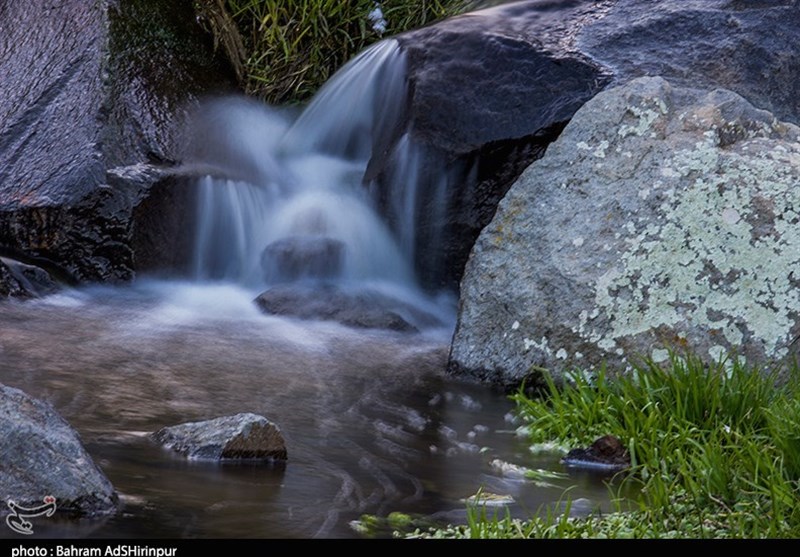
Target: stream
pixel 372 423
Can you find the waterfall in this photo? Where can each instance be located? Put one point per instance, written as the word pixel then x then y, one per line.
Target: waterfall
pixel 289 197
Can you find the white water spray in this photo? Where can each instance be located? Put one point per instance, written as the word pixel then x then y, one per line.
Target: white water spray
pixel 286 198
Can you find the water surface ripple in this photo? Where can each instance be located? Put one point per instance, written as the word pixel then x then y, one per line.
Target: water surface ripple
pixel 371 422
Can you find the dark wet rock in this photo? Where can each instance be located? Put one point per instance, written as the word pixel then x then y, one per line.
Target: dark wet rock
pixel 303 257
pixel 749 47
pixel 239 437
pixel 163 223
pixel 493 75
pixel 361 308
pixel 10 286
pixel 606 454
pixel 89 89
pixel 41 455
pixel 19 280
pixel 487 95
pixel 662 218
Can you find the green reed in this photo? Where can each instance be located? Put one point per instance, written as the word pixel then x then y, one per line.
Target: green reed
pixel 715 451
pixel 287 49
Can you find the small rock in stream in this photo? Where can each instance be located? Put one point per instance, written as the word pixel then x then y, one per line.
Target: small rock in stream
pixel 243 436
pixel 362 309
pixel 607 454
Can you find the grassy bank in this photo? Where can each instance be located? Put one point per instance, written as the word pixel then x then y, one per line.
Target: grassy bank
pixel 283 51
pixel 715 452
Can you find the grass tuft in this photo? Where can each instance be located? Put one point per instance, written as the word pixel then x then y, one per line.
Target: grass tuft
pixel 285 50
pixel 715 451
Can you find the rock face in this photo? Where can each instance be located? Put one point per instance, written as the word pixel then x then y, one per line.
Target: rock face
pixel 749 47
pixel 487 93
pixel 18 280
pixel 43 456
pixel 361 308
pixel 238 437
pixel 457 66
pixel 89 89
pixel 662 218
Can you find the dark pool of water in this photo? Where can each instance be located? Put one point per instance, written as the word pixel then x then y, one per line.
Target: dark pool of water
pixel 371 421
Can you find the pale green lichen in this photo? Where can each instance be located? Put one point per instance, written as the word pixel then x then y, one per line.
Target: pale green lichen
pixel 645 118
pixel 659 355
pixel 717 353
pixel 701 261
pixel 598 150
pixel 541 346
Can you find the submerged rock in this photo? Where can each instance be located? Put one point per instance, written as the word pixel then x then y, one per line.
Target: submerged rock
pixel 606 454
pixel 42 456
pixel 239 437
pixel 662 218
pixel 303 257
pixel 19 280
pixel 362 308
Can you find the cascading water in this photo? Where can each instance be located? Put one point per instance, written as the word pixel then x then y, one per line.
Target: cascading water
pixel 287 198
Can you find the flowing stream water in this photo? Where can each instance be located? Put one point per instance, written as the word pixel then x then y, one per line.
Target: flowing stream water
pixel 372 423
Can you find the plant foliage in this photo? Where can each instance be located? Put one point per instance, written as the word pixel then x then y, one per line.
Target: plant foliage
pixel 285 50
pixel 715 451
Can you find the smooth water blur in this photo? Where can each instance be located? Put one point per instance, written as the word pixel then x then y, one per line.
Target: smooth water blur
pixel 371 422
pixel 290 195
pixel 273 178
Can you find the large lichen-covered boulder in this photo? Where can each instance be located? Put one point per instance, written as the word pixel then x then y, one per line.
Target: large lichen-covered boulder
pixel 89 101
pixel 42 456
pixel 662 218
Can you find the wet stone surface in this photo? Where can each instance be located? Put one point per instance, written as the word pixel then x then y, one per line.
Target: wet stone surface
pixel 239 437
pixel 43 457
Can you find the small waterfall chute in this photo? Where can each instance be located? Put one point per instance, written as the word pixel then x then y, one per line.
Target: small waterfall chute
pixel 287 199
